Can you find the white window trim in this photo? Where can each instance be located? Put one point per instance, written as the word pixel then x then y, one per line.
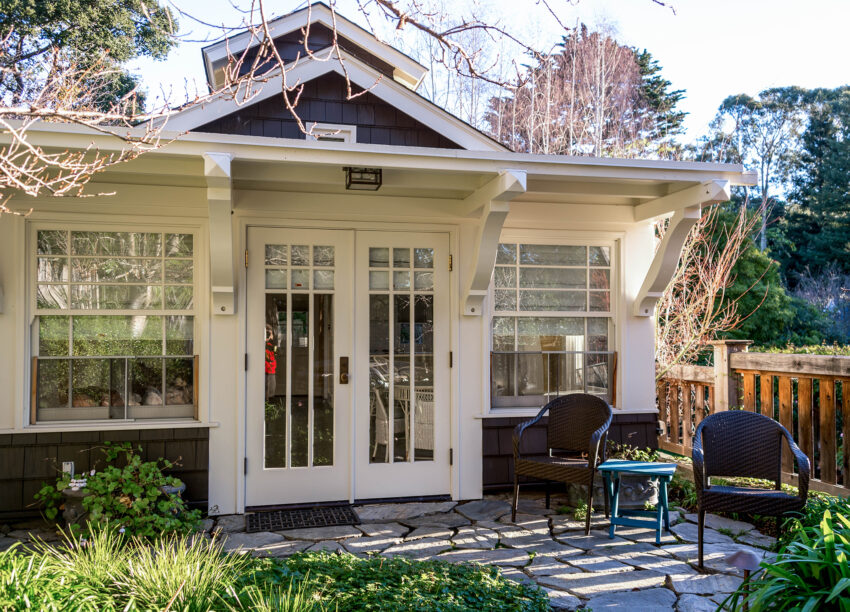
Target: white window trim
pixel 201 327
pixel 348 133
pixel 578 238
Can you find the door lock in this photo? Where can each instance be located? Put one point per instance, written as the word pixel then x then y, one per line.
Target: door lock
pixel 343 370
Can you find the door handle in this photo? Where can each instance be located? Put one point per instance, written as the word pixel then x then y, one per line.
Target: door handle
pixel 343 370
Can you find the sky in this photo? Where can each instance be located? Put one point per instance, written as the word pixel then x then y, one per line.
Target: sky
pixel 709 48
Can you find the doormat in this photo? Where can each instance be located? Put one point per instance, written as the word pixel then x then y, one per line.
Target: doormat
pixel 277 520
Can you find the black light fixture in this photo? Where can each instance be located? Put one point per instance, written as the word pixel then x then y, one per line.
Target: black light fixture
pixel 363 179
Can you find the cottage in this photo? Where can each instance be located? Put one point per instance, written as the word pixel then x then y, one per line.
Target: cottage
pixel 359 314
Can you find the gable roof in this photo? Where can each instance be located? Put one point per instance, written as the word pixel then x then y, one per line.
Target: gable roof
pixel 360 74
pixel 405 69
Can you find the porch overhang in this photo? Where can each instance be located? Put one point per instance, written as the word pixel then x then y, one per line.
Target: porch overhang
pixel 475 186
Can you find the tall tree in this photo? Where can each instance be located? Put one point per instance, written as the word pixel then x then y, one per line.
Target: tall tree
pixel 40 38
pixel 818 221
pixel 593 96
pixel 761 132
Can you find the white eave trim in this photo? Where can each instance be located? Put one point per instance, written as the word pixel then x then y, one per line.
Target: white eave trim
pixel 263 149
pixel 361 74
pixel 407 71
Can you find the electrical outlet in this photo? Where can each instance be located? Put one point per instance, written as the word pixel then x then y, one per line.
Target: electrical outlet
pixel 68 467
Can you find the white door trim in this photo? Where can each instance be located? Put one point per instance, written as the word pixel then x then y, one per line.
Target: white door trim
pixel 248 218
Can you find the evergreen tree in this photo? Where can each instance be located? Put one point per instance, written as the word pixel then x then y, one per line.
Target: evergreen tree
pixel 667 120
pixel 41 35
pixel 818 222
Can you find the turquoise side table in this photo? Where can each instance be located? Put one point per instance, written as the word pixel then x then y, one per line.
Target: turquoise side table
pixel 660 472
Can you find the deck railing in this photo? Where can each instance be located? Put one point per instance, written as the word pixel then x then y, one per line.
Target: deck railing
pixel 808 394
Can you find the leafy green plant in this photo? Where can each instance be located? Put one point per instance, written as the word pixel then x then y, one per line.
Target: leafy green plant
pixel 628 452
pixel 127 492
pixel 812 572
pixel 580 512
pixel 816 506
pixel 106 571
pixel 375 583
pixel 682 492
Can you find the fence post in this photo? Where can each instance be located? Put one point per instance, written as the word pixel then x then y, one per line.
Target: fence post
pixel 726 394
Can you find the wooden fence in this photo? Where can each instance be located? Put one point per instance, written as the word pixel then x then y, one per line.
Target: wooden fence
pixel 808 394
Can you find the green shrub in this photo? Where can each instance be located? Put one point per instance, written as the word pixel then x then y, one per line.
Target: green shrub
pixel 682 492
pixel 108 572
pixel 811 572
pixel 377 583
pixel 630 453
pixel 127 493
pixel 816 506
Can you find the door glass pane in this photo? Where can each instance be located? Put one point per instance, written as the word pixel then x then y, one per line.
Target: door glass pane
pixel 379 279
pixel 275 279
pixel 401 258
pixel 379 257
pixel 276 254
pixel 379 384
pixel 300 355
pixel 275 381
pixel 423 258
pixel 300 255
pixel 401 280
pixel 323 279
pixel 323 380
pixel 401 377
pixel 423 371
pixel 323 256
pixel 300 279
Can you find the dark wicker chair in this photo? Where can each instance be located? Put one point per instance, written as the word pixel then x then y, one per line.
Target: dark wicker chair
pixel 737 443
pixel 576 435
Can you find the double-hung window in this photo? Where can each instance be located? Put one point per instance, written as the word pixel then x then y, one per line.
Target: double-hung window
pixel 115 326
pixel 551 323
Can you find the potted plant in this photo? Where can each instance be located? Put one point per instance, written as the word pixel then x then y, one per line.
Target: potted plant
pixel 134 494
pixel 636 491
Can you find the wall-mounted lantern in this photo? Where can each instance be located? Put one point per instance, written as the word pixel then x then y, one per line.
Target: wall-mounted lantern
pixel 363 179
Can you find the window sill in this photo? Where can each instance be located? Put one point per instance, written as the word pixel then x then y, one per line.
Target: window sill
pixel 109 426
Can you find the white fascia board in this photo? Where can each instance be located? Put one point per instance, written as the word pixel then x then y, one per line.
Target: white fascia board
pixel 409 71
pixel 359 73
pixel 263 149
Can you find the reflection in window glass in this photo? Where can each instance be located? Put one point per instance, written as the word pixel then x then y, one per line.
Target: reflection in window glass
pixel 538 352
pixel 300 356
pixel 323 380
pixel 379 383
pixel 275 381
pixel 96 365
pixel 423 369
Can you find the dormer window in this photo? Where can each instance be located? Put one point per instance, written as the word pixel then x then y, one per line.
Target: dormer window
pixel 329 132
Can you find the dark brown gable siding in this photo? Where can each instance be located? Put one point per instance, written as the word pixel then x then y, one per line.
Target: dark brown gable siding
pixel 291 46
pixel 324 101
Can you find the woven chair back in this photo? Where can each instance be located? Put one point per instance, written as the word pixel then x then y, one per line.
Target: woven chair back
pixel 573 419
pixel 741 443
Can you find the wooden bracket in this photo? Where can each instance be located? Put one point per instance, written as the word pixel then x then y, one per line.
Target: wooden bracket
pixel 220 203
pixel 686 208
pixel 665 261
pixel 493 199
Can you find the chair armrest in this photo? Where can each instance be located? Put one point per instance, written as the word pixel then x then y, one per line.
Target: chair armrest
pixel 803 465
pixel 698 458
pixel 598 437
pixel 520 429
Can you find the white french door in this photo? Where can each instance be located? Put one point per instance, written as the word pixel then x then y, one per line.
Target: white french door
pixel 348 392
pixel 402 411
pixel 299 328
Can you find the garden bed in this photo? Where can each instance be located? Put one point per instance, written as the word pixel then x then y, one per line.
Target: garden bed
pixel 109 572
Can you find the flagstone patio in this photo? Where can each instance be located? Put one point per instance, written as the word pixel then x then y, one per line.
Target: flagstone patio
pixel 541 546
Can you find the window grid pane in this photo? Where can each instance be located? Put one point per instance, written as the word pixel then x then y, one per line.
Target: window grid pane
pixel 545 341
pixel 96 363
